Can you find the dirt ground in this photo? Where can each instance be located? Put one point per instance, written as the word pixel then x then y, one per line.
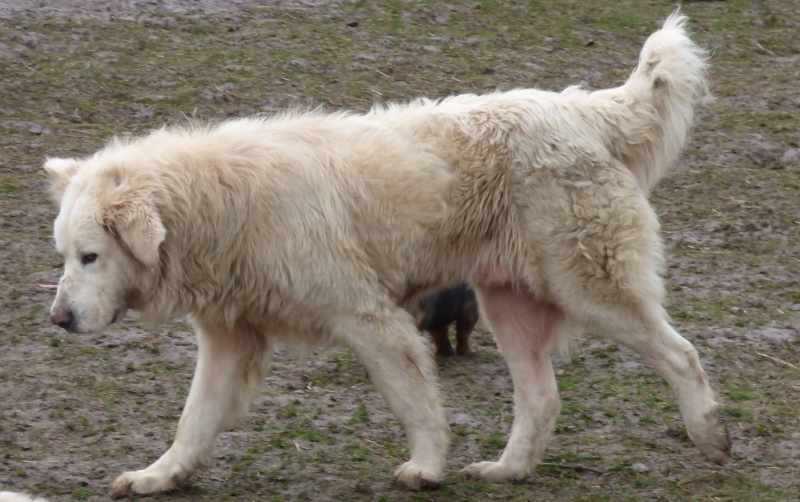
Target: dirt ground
pixel 78 410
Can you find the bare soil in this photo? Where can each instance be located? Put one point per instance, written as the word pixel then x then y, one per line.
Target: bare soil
pixel 75 411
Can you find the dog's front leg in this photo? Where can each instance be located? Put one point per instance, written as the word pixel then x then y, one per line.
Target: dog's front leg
pixel 403 371
pixel 230 370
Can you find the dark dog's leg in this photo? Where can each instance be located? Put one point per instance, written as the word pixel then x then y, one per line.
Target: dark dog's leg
pixel 465 323
pixel 441 339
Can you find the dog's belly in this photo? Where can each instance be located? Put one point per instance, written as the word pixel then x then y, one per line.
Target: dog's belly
pixel 494 276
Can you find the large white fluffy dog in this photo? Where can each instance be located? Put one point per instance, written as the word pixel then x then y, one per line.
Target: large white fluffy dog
pixel 18 497
pixel 312 228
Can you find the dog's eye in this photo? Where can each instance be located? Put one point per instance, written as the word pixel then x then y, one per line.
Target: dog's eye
pixel 88 258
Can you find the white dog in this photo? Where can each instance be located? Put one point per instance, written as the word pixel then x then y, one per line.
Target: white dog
pixel 18 497
pixel 311 228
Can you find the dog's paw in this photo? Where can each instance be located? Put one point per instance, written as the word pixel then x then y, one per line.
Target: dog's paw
pixel 494 472
pixel 144 482
pixel 410 475
pixel 715 444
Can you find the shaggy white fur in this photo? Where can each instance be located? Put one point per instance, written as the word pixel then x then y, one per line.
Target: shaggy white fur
pixel 313 228
pixel 19 497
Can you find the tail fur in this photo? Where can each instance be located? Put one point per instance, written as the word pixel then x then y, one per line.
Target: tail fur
pixel 670 80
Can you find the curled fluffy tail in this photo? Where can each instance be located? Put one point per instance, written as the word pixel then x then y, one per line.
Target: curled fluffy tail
pixel 672 68
pixel 671 79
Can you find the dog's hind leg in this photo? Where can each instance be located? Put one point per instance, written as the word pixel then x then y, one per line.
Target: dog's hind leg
pixel 676 360
pixel 400 366
pixel 626 307
pixel 524 329
pixel 607 277
pixel 231 365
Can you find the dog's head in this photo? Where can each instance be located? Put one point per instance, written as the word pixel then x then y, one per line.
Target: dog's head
pixel 109 233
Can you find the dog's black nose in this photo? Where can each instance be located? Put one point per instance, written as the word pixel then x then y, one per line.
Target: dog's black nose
pixel 62 318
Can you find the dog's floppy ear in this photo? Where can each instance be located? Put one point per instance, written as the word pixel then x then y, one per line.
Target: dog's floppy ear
pixel 60 172
pixel 135 221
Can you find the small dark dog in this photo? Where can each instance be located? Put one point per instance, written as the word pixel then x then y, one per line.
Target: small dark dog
pixel 439 310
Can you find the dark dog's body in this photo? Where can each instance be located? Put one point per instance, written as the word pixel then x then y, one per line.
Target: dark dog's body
pixel 452 305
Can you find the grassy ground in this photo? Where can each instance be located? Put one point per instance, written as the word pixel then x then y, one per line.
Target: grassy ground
pixel 78 410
